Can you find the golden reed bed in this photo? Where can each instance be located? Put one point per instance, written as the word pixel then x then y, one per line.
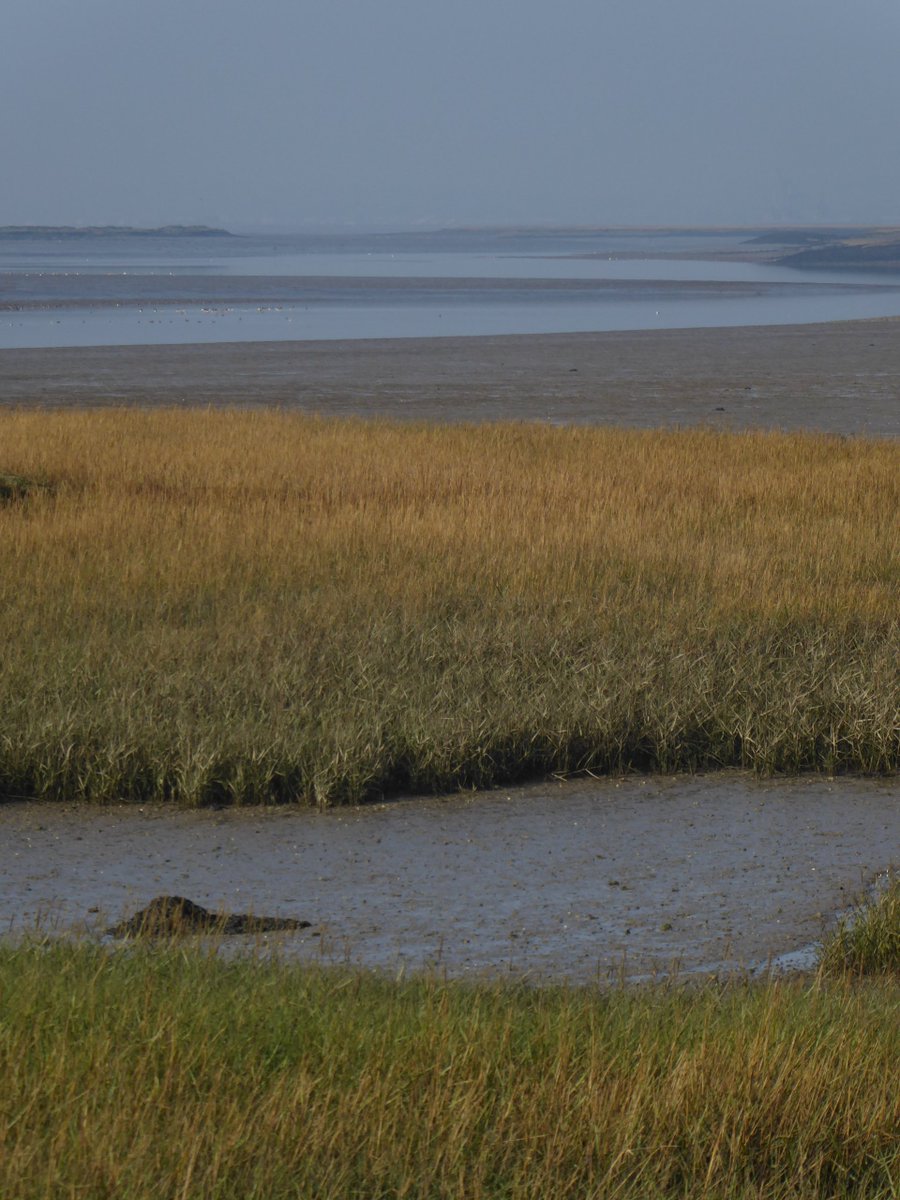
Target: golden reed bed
pixel 264 606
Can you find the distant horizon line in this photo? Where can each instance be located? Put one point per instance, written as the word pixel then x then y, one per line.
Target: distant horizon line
pixel 240 228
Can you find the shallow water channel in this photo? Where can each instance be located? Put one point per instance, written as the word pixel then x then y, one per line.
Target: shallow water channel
pixel 575 880
pixel 139 291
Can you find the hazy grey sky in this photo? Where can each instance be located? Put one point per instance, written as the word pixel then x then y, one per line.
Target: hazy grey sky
pixel 395 112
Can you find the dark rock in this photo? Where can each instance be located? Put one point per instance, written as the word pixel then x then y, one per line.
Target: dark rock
pixel 174 916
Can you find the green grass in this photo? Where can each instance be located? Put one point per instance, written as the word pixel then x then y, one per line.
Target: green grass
pixel 867 941
pixel 169 1072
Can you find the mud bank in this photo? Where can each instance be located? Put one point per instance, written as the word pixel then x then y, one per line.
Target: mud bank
pixel 557 880
pixel 840 377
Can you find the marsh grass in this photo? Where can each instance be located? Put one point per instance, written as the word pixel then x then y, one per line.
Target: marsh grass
pixel 174 1073
pixel 257 607
pixel 867 941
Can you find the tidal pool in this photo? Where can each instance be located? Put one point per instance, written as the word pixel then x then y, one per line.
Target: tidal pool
pixel 581 880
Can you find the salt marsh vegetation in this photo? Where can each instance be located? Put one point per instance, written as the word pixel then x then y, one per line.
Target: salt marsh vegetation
pixel 171 1072
pixel 254 607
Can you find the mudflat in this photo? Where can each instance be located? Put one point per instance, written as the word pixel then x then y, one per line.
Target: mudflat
pixel 841 378
pixel 553 880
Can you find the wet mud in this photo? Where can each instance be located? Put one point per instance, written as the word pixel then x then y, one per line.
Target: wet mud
pixel 577 880
pixel 840 378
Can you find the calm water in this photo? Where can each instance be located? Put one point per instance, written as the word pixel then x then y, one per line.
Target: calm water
pixel 133 291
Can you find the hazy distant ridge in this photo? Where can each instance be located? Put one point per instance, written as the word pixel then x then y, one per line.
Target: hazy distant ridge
pixel 859 255
pixel 100 231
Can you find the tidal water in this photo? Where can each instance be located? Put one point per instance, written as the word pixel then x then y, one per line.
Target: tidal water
pixel 137 291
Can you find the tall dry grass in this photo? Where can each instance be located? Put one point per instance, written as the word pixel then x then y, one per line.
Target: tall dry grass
pixel 263 606
pixel 174 1073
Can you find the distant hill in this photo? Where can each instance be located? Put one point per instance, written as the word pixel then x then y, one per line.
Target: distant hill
pixel 814 236
pixel 881 255
pixel 66 232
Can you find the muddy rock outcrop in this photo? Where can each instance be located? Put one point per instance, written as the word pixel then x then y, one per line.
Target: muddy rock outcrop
pixel 175 916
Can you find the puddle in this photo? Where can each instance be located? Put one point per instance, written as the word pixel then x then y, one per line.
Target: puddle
pixel 552 881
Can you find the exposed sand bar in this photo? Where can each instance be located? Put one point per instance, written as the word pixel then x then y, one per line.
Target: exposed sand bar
pixel 24 291
pixel 842 377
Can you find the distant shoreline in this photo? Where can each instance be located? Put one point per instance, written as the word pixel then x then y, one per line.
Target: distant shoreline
pixel 46 291
pixel 67 232
pixel 869 248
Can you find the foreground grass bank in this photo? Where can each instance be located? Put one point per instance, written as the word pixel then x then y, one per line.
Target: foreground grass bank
pixel 173 1073
pixel 254 607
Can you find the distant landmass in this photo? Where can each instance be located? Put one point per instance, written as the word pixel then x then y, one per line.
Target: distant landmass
pixel 867 248
pixel 861 255
pixel 10 232
pixel 808 237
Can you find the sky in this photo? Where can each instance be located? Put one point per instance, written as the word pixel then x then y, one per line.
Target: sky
pixel 302 114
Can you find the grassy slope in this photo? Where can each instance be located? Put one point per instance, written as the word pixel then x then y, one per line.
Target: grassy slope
pixel 259 607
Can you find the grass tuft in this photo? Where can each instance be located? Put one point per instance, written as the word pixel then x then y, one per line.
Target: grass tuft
pixel 867 941
pixel 18 487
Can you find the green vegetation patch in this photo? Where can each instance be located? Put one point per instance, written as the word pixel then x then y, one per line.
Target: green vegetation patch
pixel 867 941
pixel 17 487
pixel 137 1073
